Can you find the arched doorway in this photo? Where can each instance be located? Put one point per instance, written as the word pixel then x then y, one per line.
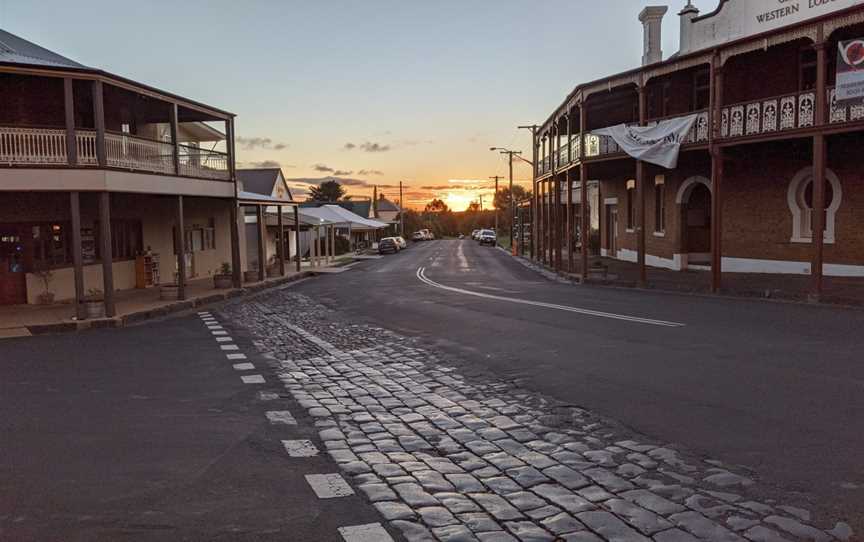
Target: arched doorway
pixel 694 197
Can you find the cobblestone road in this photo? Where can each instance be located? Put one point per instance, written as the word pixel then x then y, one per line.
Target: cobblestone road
pixel 444 456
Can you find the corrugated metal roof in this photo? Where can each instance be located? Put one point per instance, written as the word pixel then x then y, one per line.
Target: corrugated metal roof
pixel 17 50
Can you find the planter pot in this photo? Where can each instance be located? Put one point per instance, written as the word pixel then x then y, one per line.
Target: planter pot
pixel 94 309
pixel 250 276
pixel 169 292
pixel 223 282
pixel 46 298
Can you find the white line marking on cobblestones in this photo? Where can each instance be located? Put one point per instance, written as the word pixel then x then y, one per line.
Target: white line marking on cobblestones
pixel 224 339
pixel 236 356
pixel 252 379
pixel 280 417
pixel 329 486
pixel 300 448
pixel 218 333
pixel 587 312
pixel 243 366
pixel 372 532
pixel 214 327
pixel 229 347
pixel 267 396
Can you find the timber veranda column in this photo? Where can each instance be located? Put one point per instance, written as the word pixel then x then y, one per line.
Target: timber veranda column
pixel 716 151
pixel 641 194
pixel 583 190
pixel 819 165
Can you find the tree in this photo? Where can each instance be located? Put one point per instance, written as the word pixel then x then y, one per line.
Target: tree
pixel 329 191
pixel 473 207
pixel 437 206
pixel 502 204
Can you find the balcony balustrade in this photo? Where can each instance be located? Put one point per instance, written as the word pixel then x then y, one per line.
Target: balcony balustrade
pixel 47 147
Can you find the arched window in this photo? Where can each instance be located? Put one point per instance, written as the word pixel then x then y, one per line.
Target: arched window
pixel 800 200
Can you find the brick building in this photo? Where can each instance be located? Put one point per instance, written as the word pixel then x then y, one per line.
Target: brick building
pixel 769 144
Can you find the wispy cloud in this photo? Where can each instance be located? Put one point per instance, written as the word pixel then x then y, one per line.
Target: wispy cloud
pixel 327 169
pixel 253 143
pixel 368 146
pixel 369 172
pixel 263 164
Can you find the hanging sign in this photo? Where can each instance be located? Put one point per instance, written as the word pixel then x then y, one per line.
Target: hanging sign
pixel 850 71
pixel 658 143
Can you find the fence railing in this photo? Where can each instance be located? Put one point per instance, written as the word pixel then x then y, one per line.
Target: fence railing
pixel 777 114
pixel 197 162
pixel 41 146
pixel 47 147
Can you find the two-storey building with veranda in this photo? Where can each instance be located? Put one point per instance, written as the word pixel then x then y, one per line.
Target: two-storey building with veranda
pixel 103 178
pixel 768 178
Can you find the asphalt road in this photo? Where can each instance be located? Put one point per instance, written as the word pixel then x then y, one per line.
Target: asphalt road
pixel 775 387
pixel 148 433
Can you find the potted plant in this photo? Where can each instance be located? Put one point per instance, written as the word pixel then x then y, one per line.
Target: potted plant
pixel 94 303
pixel 224 278
pixel 46 276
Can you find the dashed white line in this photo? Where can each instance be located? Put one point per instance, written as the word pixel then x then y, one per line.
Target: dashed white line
pixel 280 417
pixel 243 367
pixel 252 379
pixel 229 347
pixel 372 532
pixel 586 312
pixel 235 356
pixel 329 486
pixel 224 339
pixel 267 396
pixel 300 448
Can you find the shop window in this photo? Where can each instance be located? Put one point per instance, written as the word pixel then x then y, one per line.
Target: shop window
pixel 631 209
pixel 51 245
pixel 800 200
pixel 660 204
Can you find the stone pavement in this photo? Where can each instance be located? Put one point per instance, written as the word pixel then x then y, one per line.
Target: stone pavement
pixel 448 457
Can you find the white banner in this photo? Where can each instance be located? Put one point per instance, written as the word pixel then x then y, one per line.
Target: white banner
pixel 657 143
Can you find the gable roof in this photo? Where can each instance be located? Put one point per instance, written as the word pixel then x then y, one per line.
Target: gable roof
pixel 262 181
pixel 16 50
pixel 385 204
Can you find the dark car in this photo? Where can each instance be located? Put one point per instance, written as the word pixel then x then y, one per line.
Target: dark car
pixel 387 245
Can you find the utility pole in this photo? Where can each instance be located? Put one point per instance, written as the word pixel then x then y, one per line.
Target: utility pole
pixel 510 155
pixel 401 212
pixel 494 201
pixel 481 202
pixel 534 199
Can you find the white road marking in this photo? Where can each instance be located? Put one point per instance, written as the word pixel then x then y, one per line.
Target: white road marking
pixel 267 396
pixel 229 347
pixel 211 328
pixel 300 448
pixel 252 379
pixel 243 366
pixel 224 339
pixel 204 313
pixel 372 532
pixel 329 486
pixel 280 417
pixel 236 356
pixel 586 312
pixel 216 333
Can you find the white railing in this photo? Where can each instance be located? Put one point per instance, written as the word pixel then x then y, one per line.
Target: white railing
pixel 843 112
pixel 770 115
pixel 32 146
pixel 85 142
pixel 197 162
pixel 130 152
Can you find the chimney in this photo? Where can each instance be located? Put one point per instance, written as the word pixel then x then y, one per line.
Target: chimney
pixel 687 15
pixel 652 22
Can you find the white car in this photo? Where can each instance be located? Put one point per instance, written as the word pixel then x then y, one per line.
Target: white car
pixel 395 242
pixel 418 236
pixel 401 242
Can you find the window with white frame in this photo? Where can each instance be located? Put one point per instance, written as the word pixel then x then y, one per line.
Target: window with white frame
pixel 800 201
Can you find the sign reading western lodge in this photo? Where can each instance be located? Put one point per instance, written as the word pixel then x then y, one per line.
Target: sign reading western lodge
pixel 736 19
pixel 850 70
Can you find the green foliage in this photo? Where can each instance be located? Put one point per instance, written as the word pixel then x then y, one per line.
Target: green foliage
pixel 329 191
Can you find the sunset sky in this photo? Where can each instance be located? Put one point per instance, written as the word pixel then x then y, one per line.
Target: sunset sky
pixel 373 91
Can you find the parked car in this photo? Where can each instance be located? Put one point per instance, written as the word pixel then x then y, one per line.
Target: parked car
pixel 401 242
pixel 488 237
pixel 388 245
pixel 418 236
pixel 461 236
pixel 396 241
pixel 475 234
pixel 430 236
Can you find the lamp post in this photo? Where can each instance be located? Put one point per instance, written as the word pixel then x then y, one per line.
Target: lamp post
pixel 510 154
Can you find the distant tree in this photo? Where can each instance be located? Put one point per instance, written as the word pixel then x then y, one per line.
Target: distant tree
pixel 473 207
pixel 437 206
pixel 502 203
pixel 329 191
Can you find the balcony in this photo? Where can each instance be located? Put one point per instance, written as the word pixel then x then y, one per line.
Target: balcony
pixel 47 147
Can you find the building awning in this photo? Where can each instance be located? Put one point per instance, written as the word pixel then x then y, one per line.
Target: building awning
pixel 335 214
pixel 252 198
